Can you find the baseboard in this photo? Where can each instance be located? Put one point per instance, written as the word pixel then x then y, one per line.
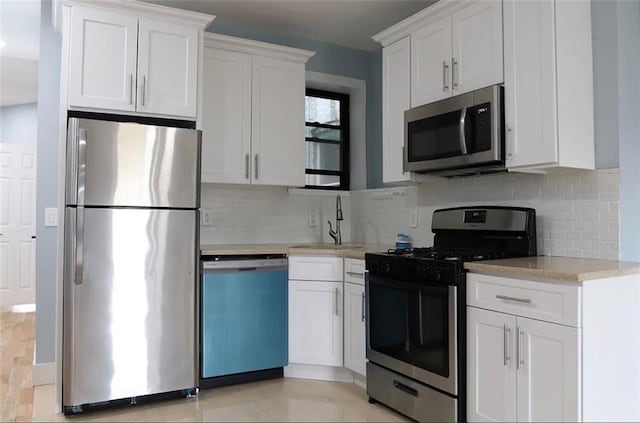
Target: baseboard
pixel 44 373
pixel 360 380
pixel 307 371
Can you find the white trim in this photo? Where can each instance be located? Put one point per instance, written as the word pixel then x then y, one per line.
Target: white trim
pixel 199 20
pixel 259 48
pixel 318 192
pixel 357 90
pixel 44 374
pixel 418 20
pixel 360 380
pixel 308 371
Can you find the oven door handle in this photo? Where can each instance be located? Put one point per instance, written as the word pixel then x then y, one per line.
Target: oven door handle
pixel 463 137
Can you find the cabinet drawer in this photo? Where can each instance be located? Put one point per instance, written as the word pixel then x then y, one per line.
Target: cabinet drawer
pixel 354 271
pixel 549 302
pixel 315 268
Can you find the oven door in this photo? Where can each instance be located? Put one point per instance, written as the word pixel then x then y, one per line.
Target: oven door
pixel 412 329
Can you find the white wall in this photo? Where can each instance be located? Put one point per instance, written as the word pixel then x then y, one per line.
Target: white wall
pixel 258 215
pixel 577 212
pixel 19 124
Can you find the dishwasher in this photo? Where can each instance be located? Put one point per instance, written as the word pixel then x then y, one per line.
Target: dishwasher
pixel 243 318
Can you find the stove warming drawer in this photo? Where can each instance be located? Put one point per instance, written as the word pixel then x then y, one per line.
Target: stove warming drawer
pixel 409 397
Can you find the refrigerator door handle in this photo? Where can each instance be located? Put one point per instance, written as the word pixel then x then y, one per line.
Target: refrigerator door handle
pixel 72 161
pixel 82 165
pixel 79 235
pixel 79 245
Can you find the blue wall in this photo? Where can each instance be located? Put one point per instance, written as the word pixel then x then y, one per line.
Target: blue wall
pixel 46 186
pixel 19 124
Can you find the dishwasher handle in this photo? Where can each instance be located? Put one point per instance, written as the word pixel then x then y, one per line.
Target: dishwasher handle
pixel 244 265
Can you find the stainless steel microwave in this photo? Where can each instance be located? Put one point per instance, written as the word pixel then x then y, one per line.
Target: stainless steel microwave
pixel 456 136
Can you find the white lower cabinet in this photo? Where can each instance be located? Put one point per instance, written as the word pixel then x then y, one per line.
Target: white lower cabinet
pixel 521 369
pixel 354 328
pixel 315 322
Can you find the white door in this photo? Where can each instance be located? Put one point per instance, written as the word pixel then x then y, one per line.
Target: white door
pixel 102 62
pixel 226 117
pixel 278 122
pixel 549 375
pixel 431 63
pixel 167 68
pixel 315 322
pixel 529 83
pixel 396 96
pixel 476 31
pixel 354 328
pixel 491 374
pixel 17 224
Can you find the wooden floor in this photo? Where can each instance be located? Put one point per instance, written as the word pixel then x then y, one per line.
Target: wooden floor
pixel 17 338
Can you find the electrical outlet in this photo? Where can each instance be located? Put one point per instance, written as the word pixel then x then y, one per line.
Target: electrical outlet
pixel 413 219
pixel 312 219
pixel 50 216
pixel 207 217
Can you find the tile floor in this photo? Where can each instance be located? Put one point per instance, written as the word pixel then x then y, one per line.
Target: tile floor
pixel 272 400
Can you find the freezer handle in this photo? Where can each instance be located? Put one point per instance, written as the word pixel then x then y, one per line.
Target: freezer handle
pixel 79 242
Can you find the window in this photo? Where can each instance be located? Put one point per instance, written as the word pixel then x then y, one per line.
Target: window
pixel 327 140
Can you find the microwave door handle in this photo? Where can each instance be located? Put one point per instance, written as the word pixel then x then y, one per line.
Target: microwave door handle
pixel 462 137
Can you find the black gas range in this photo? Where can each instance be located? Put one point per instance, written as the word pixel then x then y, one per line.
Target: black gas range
pixel 416 308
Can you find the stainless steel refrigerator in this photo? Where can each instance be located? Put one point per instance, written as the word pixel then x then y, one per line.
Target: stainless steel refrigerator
pixel 131 261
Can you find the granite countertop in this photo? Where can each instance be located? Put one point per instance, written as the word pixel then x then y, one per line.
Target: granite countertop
pixel 349 250
pixel 559 268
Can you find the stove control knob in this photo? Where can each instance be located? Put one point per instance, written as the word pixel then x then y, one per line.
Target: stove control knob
pixel 387 267
pixel 435 275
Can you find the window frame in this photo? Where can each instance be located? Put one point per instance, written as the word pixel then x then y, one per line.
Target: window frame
pixel 344 129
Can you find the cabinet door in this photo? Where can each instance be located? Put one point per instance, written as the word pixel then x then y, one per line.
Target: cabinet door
pixel 431 62
pixel 167 68
pixel 529 83
pixel 476 31
pixel 491 374
pixel 278 122
pixel 395 100
pixel 226 117
pixel 549 375
pixel 354 330
pixel 315 323
pixel 102 59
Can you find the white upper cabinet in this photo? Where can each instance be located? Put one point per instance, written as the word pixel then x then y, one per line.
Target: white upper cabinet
pixel 253 112
pixel 548 85
pixel 226 127
pixel 122 60
pixel 431 62
pixel 476 34
pixel 167 68
pixel 395 100
pixel 278 122
pixel 102 59
pixel 457 53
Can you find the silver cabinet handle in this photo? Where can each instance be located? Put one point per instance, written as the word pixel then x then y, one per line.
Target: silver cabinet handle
pixel 355 274
pixel 246 166
pixel 256 165
pixel 519 300
pixel 454 64
pixel 131 88
pixel 337 294
pixel 144 88
pixel 445 67
pixel 463 138
pixel 505 340
pixel 519 360
pixel 362 313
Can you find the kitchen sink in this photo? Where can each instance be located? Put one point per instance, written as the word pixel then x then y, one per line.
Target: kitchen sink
pixel 331 246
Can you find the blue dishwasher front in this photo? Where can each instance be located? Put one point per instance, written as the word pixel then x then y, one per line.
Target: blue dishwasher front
pixel 244 317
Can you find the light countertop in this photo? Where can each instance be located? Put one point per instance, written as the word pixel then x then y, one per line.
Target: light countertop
pixel 348 250
pixel 559 268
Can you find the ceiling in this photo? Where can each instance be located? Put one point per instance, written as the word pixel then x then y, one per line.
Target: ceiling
pixel 348 23
pixel 20 30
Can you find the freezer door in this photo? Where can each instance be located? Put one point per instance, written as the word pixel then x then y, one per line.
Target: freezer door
pixel 129 164
pixel 129 325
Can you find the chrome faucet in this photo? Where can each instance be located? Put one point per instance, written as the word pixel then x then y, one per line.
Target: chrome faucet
pixel 336 235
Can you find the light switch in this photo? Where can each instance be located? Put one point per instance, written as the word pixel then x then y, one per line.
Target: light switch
pixel 312 219
pixel 50 216
pixel 413 219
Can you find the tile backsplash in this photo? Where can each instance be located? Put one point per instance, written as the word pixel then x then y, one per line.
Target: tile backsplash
pixel 577 212
pixel 259 215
